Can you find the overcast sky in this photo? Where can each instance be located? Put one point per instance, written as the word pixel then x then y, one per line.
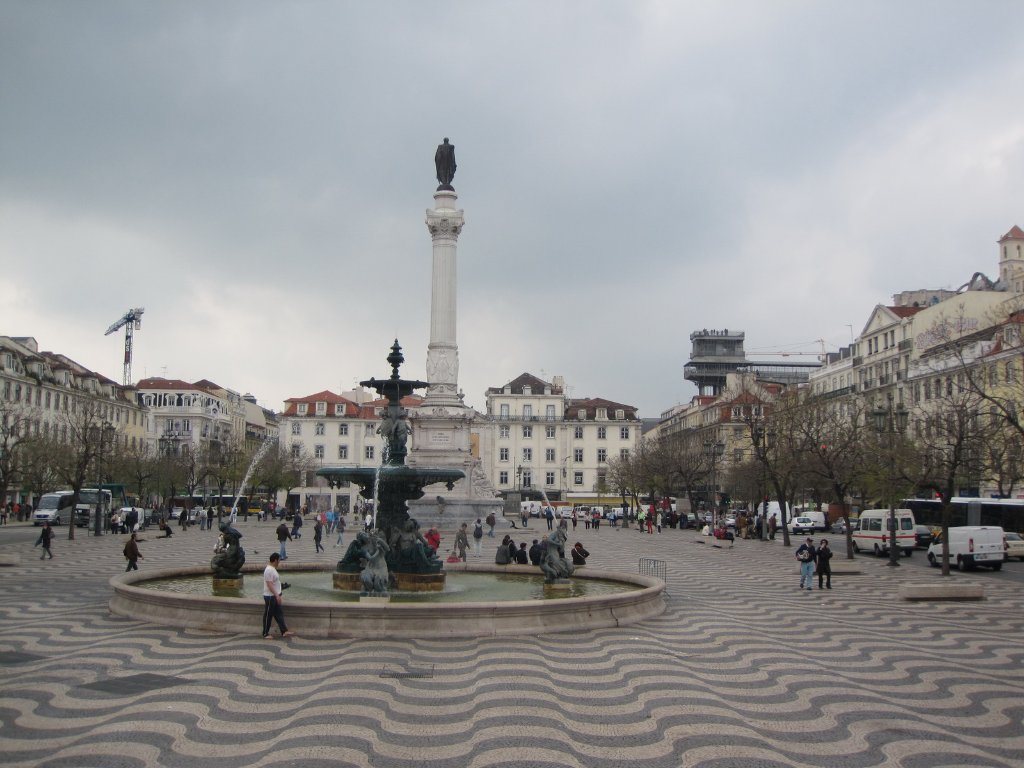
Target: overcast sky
pixel 256 175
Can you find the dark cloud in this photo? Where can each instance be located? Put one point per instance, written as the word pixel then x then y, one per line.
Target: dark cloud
pixel 256 175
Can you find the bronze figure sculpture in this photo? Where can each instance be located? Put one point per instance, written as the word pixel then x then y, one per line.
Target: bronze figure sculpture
pixel 444 164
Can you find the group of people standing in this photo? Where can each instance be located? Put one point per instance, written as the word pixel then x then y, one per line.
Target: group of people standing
pixel 811 558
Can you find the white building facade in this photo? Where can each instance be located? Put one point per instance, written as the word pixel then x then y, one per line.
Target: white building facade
pixel 540 440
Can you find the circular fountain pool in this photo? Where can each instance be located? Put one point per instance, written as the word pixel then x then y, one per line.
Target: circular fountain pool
pixel 478 600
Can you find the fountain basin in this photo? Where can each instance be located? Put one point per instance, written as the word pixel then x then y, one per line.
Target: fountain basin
pixel 328 619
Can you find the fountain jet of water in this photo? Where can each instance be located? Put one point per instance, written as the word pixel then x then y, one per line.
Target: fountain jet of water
pixel 260 453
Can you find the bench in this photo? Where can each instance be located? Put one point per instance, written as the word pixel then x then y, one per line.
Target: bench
pixel 920 592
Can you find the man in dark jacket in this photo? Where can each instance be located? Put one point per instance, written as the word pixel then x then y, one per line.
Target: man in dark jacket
pixel 283 536
pixel 579 554
pixel 522 557
pixel 535 552
pixel 807 555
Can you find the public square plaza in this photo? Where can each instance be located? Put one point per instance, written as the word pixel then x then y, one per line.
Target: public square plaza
pixel 742 669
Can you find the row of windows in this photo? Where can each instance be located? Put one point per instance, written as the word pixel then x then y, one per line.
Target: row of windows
pixel 56 401
pixel 37 428
pixel 550 481
pixel 319 452
pixel 321 409
pixel 550 455
pixel 601 414
pixel 550 432
pixel 504 431
pixel 321 429
pixel 888 341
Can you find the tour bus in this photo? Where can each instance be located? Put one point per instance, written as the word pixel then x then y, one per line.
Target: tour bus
pixel 1008 514
pixel 873 534
pixel 54 508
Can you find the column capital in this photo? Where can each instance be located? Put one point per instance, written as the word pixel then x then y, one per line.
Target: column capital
pixel 445 222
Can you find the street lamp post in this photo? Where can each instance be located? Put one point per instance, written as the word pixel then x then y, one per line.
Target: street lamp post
pixel 106 430
pixel 891 421
pixel 714 450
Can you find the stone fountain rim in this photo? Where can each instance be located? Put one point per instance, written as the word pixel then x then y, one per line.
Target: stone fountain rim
pixel 392 620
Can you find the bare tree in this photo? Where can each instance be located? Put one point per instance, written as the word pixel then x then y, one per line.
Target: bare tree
pixel 16 436
pixel 139 465
pixel 832 433
pixel 1003 457
pixel 75 460
pixel 688 464
pixel 950 438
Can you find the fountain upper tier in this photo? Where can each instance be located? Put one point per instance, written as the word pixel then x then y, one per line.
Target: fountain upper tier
pixel 394 483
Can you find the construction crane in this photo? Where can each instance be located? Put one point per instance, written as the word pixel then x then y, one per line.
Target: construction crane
pixel 131 322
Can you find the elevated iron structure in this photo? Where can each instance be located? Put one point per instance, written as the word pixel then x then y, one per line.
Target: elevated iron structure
pixel 714 354
pixel 131 322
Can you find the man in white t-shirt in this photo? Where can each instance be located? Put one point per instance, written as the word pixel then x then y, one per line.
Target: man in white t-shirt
pixel 272 599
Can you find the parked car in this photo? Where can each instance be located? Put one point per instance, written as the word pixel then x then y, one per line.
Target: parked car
pixel 971 546
pixel 924 536
pixel 803 525
pixel 1014 545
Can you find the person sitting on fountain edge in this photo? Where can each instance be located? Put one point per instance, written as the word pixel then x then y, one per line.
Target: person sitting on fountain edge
pixel 503 556
pixel 579 554
pixel 522 556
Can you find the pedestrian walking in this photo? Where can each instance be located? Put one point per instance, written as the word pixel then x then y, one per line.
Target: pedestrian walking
pixel 461 542
pixel 824 566
pixel 273 599
pixel 44 540
pixel 806 555
pixel 132 554
pixel 318 535
pixel 340 526
pixel 549 515
pixel 491 522
pixel 283 537
pixel 297 526
pixel 478 537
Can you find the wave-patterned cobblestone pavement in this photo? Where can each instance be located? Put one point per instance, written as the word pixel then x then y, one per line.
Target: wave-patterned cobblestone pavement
pixel 741 671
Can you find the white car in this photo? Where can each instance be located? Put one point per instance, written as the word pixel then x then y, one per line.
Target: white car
pixel 802 525
pixel 1014 545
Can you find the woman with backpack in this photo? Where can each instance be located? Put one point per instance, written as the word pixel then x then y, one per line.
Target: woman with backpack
pixel 478 535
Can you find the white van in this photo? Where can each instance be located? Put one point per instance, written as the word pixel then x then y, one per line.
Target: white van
pixel 54 508
pixel 873 533
pixel 971 546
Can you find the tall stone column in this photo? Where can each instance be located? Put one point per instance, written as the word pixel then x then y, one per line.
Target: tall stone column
pixel 445 223
pixel 442 425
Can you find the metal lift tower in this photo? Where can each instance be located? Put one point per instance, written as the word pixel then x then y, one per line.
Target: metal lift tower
pixel 132 321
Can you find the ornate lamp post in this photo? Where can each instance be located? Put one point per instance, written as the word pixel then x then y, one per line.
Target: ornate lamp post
pixel 106 432
pixel 890 421
pixel 714 450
